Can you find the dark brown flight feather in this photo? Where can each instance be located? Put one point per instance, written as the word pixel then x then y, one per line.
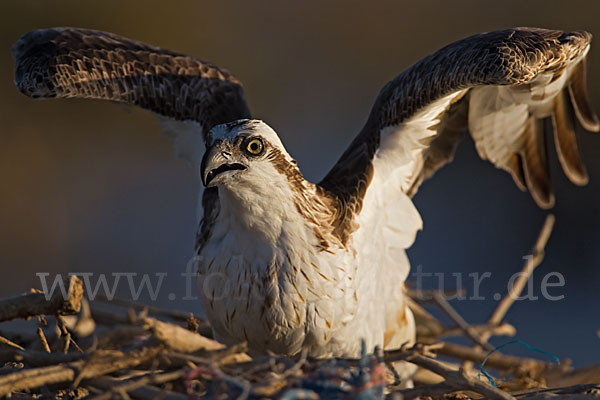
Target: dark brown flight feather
pixel 535 163
pixel 565 140
pixel 581 100
pixel 82 63
pixel 511 57
pixel 71 62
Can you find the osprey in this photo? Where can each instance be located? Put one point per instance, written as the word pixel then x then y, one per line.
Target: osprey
pixel 286 264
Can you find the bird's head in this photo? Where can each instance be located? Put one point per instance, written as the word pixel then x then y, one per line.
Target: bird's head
pixel 243 151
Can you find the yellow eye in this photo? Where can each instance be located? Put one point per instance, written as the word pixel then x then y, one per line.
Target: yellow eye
pixel 255 146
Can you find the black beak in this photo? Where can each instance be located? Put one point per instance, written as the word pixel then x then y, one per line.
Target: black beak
pixel 222 168
pixel 215 161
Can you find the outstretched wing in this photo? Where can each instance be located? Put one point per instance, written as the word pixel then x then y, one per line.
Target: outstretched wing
pixel 502 86
pixel 193 95
pixel 71 62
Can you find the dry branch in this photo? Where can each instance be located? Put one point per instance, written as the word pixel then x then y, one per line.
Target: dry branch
pixel 4 341
pixel 496 360
pixel 38 358
pixel 96 366
pixel 460 322
pixel 43 341
pixel 457 380
pixel 107 384
pixel 133 384
pixel 583 375
pixel 178 338
pixel 34 304
pixel 532 262
pixel 201 326
pixel 535 259
pixel 504 329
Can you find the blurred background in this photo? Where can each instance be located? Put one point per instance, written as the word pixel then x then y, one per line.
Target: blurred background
pixel 89 186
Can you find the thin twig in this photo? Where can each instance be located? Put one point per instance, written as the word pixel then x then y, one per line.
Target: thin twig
pixel 43 340
pixel 7 342
pixel 504 329
pixel 460 322
pixel 103 364
pixel 179 338
pixel 458 380
pixel 496 360
pixel 143 392
pixel 66 343
pixel 38 358
pixel 535 259
pixel 150 379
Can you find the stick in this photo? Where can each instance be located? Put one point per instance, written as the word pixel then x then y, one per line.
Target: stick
pixel 66 342
pixel 504 329
pixel 201 326
pixel 7 342
pixel 460 322
pixel 143 392
pixel 496 360
pixel 34 304
pixel 43 340
pixel 457 380
pixel 587 374
pixel 179 338
pixel 38 358
pixel 84 369
pixel 24 338
pixel 130 385
pixel 426 324
pixel 537 255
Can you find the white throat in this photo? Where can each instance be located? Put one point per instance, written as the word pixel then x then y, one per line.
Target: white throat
pixel 258 217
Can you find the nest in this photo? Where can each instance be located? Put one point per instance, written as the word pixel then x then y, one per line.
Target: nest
pixel 106 349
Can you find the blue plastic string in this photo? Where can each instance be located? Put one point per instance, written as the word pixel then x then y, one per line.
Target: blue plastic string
pixel 522 343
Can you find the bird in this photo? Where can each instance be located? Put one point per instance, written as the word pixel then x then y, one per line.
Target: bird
pixel 287 265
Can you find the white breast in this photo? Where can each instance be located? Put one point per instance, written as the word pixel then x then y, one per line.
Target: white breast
pixel 263 279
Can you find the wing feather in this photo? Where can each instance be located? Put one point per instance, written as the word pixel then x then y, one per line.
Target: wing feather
pixel 442 148
pixel 194 95
pixel 534 155
pixel 565 140
pixel 580 98
pixel 502 86
pixel 81 63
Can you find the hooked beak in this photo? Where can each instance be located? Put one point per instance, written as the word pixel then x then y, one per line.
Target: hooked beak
pixel 217 161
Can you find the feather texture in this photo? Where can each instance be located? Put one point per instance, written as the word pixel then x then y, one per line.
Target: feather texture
pixel 565 139
pixel 508 80
pixel 71 62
